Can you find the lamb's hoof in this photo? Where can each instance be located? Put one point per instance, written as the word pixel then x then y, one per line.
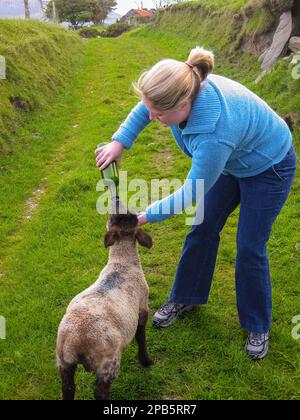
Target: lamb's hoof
pixel 146 362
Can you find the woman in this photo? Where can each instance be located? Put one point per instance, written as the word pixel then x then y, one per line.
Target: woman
pixel 243 151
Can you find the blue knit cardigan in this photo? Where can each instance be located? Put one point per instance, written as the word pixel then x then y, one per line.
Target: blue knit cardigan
pixel 229 130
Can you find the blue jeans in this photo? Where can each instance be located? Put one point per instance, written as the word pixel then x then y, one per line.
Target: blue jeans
pixel 261 198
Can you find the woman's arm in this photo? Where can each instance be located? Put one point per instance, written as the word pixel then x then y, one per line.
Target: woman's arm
pixel 136 121
pixel 208 162
pixel 128 131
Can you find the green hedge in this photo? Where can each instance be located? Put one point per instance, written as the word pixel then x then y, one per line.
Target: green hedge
pixel 116 29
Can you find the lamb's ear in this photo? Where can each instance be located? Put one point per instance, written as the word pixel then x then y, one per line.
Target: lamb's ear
pixel 110 238
pixel 143 238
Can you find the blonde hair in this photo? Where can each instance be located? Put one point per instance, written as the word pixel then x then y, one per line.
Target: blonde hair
pixel 170 82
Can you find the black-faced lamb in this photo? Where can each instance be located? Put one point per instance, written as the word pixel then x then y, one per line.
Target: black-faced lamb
pixel 102 320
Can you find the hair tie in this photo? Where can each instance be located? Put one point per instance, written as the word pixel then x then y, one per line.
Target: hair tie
pixel 188 64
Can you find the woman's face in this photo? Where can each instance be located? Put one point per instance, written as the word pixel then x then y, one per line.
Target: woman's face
pixel 169 118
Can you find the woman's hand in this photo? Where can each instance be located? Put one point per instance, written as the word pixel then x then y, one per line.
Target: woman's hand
pixel 142 219
pixel 106 154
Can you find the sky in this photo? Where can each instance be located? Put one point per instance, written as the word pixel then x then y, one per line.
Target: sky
pixel 16 7
pixel 125 5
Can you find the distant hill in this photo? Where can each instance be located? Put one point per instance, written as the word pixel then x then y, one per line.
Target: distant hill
pixel 15 9
pixel 111 18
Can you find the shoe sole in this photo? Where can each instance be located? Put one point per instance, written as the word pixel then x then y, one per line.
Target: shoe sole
pixel 255 356
pixel 164 324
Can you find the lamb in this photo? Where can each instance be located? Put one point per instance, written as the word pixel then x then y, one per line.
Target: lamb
pixel 102 320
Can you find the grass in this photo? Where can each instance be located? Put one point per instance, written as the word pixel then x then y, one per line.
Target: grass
pixel 39 58
pixel 219 5
pixel 58 251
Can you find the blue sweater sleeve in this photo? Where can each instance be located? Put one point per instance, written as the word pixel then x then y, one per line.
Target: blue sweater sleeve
pixel 208 162
pixel 136 121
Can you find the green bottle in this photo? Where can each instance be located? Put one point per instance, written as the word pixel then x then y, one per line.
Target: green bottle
pixel 110 175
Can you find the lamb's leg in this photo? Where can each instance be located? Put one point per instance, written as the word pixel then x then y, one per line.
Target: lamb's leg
pixel 105 375
pixel 140 336
pixel 67 378
pixel 102 389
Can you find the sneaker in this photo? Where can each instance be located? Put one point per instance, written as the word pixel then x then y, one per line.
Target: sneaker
pixel 168 313
pixel 257 345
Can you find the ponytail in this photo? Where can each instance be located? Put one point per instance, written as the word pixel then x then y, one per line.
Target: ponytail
pixel 202 61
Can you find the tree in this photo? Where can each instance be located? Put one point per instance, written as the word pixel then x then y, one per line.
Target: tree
pixel 26 7
pixel 54 12
pixel 80 11
pixel 160 4
pixel 104 7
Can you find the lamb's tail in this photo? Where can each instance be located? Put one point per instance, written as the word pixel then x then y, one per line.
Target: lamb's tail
pixel 85 362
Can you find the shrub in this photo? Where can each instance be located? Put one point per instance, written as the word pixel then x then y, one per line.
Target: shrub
pixel 115 30
pixel 91 32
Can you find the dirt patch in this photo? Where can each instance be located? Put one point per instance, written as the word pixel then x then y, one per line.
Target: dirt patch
pixel 163 158
pixel 19 103
pixel 169 397
pixel 259 45
pixel 164 155
pixel 33 201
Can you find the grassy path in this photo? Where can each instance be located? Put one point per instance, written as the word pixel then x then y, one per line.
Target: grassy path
pixel 51 252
